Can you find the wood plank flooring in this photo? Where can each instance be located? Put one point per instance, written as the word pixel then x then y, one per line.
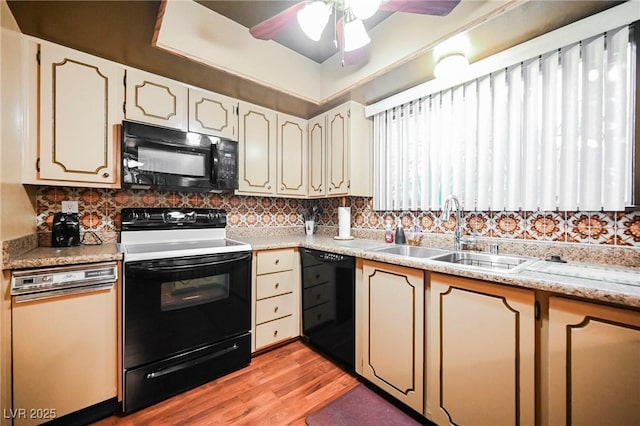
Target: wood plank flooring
pixel 280 387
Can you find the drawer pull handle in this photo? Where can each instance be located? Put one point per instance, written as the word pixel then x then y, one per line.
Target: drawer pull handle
pixel 275 309
pixel 317 276
pixel 105 175
pixel 277 285
pixel 275 333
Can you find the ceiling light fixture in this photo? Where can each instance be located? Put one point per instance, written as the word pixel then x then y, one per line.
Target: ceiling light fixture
pixel 451 65
pixel 314 16
pixel 355 35
pixel 451 57
pixel 313 19
pixel 363 9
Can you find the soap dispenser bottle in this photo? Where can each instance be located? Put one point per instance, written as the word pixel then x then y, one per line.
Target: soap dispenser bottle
pixel 388 232
pixel 400 238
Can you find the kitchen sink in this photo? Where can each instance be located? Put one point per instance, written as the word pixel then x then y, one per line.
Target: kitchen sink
pixel 492 262
pixel 412 251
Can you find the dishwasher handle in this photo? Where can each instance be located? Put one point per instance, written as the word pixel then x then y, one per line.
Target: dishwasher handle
pixel 70 291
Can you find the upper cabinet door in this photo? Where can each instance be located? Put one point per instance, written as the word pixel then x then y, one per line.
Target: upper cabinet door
pixel 338 130
pixel 317 156
pixel 80 107
pixel 292 156
pixel 213 114
pixel 156 100
pixel 257 149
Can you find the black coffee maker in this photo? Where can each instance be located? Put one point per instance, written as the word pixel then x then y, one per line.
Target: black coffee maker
pixel 66 230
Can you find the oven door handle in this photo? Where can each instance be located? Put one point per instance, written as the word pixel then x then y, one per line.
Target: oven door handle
pixel 193 362
pixel 187 267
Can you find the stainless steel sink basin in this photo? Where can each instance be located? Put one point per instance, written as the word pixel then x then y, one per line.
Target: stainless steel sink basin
pixel 498 263
pixel 412 251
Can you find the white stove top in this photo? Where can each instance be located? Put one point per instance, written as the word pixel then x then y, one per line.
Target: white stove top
pixel 147 245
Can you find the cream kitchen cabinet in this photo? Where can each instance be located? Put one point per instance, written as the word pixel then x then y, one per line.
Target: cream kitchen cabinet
pixel 257 150
pixel 156 100
pixel 213 114
pixel 593 364
pixel 291 172
pixel 80 99
pixel 481 353
pixel 392 331
pixel 276 304
pixel 340 159
pixel 273 153
pixel 317 157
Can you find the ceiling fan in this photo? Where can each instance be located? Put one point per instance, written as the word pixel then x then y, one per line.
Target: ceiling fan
pixel 349 32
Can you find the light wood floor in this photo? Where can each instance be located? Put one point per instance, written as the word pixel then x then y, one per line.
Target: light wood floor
pixel 280 387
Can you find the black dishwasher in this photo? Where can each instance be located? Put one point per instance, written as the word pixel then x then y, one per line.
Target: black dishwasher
pixel 328 305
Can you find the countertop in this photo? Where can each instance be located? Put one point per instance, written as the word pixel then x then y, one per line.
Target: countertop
pixel 603 291
pixel 597 290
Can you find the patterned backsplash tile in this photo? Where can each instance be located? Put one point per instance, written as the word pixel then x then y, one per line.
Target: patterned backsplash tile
pixel 99 211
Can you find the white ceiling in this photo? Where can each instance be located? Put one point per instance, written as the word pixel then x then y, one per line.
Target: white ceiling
pixel 194 31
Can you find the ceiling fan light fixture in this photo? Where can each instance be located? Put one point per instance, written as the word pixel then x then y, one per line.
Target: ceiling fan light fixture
pixel 363 9
pixel 355 35
pixel 313 19
pixel 451 65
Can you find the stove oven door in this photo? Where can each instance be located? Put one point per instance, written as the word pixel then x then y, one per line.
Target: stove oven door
pixel 172 306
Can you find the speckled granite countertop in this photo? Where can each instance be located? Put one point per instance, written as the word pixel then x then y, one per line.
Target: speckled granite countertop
pixel 56 256
pixel 619 294
pixel 604 291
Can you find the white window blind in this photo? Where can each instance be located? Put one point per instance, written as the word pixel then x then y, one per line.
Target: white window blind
pixel 551 133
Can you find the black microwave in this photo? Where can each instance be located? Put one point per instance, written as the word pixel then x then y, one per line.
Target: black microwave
pixel 162 158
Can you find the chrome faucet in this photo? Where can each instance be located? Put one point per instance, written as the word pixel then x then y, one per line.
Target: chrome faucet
pixel 452 205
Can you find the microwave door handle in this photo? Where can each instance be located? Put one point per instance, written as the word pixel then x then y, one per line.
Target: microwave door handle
pixel 214 166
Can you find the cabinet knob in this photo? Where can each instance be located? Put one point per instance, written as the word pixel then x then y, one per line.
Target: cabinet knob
pixel 282 188
pixel 277 261
pixel 275 310
pixel 317 297
pixel 269 187
pixel 275 333
pixel 319 316
pixel 105 175
pixel 317 276
pixel 277 285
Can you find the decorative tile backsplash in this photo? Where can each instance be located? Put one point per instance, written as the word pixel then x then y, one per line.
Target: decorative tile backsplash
pixel 99 211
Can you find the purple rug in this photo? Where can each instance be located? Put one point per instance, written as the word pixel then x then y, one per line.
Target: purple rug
pixel 360 406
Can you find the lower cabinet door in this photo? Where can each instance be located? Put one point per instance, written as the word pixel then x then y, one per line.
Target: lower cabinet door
pixel 481 350
pixel 594 364
pixel 393 331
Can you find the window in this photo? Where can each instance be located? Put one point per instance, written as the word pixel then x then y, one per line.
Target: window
pixel 551 133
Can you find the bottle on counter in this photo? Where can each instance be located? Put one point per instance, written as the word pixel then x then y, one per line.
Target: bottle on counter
pixel 400 238
pixel 388 232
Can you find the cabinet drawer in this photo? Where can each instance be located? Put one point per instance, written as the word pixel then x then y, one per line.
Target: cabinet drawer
pixel 315 275
pixel 274 307
pixel 274 284
pixel 274 261
pixel 275 331
pixel 318 315
pixel 316 295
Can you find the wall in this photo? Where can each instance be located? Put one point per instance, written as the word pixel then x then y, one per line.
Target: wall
pixel 100 212
pixel 17 210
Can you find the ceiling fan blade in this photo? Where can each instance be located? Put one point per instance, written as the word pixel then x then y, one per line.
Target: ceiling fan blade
pixel 353 57
pixel 270 28
pixel 424 7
